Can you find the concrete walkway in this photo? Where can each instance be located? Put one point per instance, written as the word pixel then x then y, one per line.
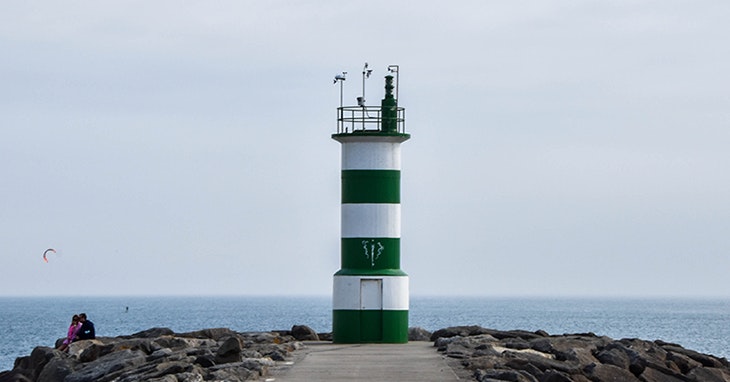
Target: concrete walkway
pixel 324 361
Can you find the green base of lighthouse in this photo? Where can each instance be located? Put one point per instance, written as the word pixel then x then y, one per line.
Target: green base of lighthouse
pixel 370 326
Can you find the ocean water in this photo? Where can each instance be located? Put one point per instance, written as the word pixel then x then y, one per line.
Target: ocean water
pixel 698 324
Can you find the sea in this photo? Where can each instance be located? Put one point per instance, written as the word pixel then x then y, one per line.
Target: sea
pixel 698 324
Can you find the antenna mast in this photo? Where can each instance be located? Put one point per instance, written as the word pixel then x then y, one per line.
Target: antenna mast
pixel 365 74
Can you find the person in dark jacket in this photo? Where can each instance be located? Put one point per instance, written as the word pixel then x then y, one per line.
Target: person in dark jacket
pixel 87 331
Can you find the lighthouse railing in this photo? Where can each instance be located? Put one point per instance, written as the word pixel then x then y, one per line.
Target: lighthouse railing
pixel 366 118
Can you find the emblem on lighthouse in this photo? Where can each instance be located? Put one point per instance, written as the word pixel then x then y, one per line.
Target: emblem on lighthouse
pixel 373 249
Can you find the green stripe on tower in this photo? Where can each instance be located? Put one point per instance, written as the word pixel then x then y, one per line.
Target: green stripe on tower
pixel 356 256
pixel 370 186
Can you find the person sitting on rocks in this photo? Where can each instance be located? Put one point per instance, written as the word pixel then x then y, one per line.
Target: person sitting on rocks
pixel 73 331
pixel 87 331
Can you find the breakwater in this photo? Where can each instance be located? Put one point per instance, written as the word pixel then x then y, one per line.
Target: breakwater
pixel 477 353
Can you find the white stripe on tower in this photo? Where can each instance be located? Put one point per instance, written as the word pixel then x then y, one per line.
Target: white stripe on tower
pixel 371 154
pixel 370 220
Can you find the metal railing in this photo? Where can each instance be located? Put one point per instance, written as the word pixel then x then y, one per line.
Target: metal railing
pixel 366 118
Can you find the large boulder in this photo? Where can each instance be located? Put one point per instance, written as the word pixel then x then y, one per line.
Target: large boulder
pixel 108 367
pixel 304 333
pixel 31 366
pixel 229 350
pixel 57 369
pixel 214 334
pixel 14 376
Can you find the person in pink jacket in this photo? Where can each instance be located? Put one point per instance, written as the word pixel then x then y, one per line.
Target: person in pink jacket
pixel 73 329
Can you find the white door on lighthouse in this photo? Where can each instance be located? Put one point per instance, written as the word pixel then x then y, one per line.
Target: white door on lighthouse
pixel 371 294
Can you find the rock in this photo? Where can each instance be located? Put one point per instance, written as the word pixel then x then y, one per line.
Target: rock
pixel 442 342
pixel 233 375
pixel 704 359
pixel 276 354
pixel 188 377
pixel 56 370
pixel 205 360
pixel 151 333
pixel 229 350
pixel 529 361
pixel 214 334
pixel 458 350
pixel 172 368
pixel 251 353
pixel 614 356
pixel 684 363
pixel 13 376
pixel 30 367
pixel 167 378
pixel 418 334
pixel 653 375
pixel 173 342
pixel 161 353
pixel 304 333
pixel 107 366
pixel 516 343
pixel 706 374
pixel 248 369
pixel 558 376
pixel 462 331
pixel 93 351
pixel 505 375
pixel 263 337
pixel 601 372
pixel 145 345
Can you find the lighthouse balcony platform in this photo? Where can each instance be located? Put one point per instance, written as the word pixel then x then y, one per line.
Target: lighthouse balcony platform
pixel 370 120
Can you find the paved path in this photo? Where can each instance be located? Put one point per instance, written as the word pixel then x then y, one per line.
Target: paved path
pixel 324 361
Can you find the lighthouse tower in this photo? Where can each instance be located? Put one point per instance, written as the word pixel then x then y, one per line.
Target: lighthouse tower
pixel 370 296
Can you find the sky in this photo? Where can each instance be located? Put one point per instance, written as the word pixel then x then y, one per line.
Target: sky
pixel 559 148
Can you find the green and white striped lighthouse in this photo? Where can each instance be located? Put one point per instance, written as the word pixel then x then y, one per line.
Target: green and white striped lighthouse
pixel 370 295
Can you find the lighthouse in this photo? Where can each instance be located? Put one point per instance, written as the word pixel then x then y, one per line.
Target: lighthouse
pixel 370 290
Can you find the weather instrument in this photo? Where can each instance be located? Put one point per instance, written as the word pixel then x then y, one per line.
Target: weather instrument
pixel 386 117
pixel 365 74
pixel 341 79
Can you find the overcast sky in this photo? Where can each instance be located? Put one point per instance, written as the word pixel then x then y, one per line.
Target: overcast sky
pixel 559 148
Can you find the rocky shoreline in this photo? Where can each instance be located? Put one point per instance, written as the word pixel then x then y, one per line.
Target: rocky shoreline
pixel 475 353
pixel 492 355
